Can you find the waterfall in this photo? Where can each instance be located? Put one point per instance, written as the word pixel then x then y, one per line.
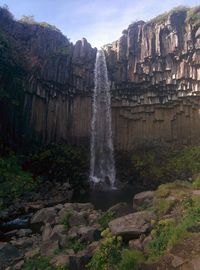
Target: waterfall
pixel 102 165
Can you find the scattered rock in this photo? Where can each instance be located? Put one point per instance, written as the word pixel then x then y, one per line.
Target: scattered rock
pixel 143 198
pixel 132 225
pixel 48 248
pixel 47 230
pixel 8 253
pixel 121 209
pixel 79 260
pixel 19 265
pixel 60 260
pixel 31 253
pixel 177 261
pixel 77 219
pixel 45 215
pixel 24 232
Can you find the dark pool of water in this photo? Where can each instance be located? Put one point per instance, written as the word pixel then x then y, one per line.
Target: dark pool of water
pixel 105 198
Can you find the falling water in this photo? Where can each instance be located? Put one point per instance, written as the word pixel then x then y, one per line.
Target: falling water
pixel 102 166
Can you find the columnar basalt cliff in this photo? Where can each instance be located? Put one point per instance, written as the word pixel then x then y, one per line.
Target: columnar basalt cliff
pixel 56 79
pixel 155 77
pixel 154 69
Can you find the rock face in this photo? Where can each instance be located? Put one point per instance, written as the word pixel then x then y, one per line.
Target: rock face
pixel 154 69
pixel 155 78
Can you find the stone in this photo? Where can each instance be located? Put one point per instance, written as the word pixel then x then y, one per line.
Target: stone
pixel 45 215
pixel 143 198
pixel 77 219
pixel 89 233
pixel 18 266
pixel 79 261
pixel 92 247
pixel 46 232
pixel 31 253
pixel 60 260
pixel 23 243
pixel 8 253
pixel 121 209
pixel 177 261
pixel 132 225
pixel 48 248
pixel 135 244
pixel 24 232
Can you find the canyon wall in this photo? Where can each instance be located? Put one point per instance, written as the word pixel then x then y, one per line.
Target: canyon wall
pixel 154 71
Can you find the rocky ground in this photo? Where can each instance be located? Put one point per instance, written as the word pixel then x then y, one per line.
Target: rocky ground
pixel 163 225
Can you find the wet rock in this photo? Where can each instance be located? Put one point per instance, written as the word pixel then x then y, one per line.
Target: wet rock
pixel 121 209
pixel 132 225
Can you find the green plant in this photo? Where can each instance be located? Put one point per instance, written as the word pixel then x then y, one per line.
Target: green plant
pixel 41 263
pixel 105 218
pixel 108 255
pixel 66 218
pixel 196 182
pixel 163 206
pixel 131 259
pixel 77 246
pixel 13 180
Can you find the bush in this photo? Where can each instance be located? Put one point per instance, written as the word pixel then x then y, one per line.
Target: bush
pixel 131 260
pixel 66 218
pixel 108 255
pixel 13 180
pixel 61 162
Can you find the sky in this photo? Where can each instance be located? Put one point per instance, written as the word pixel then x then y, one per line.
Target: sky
pixel 99 21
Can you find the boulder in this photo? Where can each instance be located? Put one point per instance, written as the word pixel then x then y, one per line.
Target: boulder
pixel 121 209
pixel 44 215
pixel 132 225
pixel 79 261
pixel 89 233
pixel 8 253
pixel 47 230
pixel 143 198
pixel 77 219
pixel 48 248
pixel 24 232
pixel 61 260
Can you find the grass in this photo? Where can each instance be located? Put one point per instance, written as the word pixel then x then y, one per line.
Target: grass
pixel 131 259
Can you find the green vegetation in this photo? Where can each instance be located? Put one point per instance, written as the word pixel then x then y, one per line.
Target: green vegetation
pixel 62 163
pixel 105 218
pixel 162 17
pixel 108 255
pixel 157 164
pixel 169 232
pixel 66 218
pixel 77 245
pixel 196 182
pixel 31 20
pixel 13 180
pixel 131 259
pixel 41 263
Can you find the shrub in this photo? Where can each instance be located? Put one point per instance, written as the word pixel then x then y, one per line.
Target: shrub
pixel 196 182
pixel 131 260
pixel 105 218
pixel 77 246
pixel 108 255
pixel 66 218
pixel 61 162
pixel 13 180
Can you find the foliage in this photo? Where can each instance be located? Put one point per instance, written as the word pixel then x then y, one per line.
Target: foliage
pixel 196 182
pixel 108 255
pixel 41 263
pixel 156 163
pixel 163 206
pixel 169 232
pixel 77 245
pixel 162 17
pixel 105 218
pixel 61 162
pixel 131 260
pixel 66 218
pixel 13 180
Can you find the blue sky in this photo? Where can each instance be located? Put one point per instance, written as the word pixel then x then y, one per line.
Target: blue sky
pixel 100 21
